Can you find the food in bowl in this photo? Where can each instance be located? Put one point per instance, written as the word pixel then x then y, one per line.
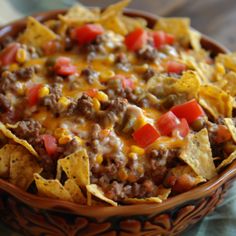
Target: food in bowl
pixel 98 108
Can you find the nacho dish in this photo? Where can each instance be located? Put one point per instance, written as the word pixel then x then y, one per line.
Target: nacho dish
pixel 97 108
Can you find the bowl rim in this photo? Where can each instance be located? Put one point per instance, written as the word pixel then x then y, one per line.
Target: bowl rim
pixel 107 211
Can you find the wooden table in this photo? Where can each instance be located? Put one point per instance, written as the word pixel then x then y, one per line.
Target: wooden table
pixel 216 18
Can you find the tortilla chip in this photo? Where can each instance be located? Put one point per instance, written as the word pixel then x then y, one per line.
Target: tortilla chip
pixel 22 167
pixel 51 188
pixel 181 170
pixel 228 60
pixel 227 161
pixel 73 188
pixel 115 24
pixel 229 83
pixel 138 201
pixel 231 126
pixel 22 142
pixel 5 158
pixel 163 193
pixel 197 154
pixel 97 192
pixel 132 23
pixel 76 166
pixel 36 34
pixel 114 10
pixel 189 83
pixel 179 27
pixel 216 101
pixel 195 38
pixel 79 14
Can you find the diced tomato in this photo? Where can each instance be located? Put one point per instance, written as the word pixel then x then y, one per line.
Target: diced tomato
pixel 33 94
pixel 50 47
pixel 222 134
pixel 87 33
pixel 92 92
pixel 127 83
pixel 64 67
pixel 182 128
pixel 161 38
pixel 175 67
pixel 136 39
pixel 50 144
pixel 166 123
pixel 145 135
pixel 190 110
pixel 8 54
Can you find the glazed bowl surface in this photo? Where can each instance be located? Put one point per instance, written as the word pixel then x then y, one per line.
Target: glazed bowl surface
pixel 38 216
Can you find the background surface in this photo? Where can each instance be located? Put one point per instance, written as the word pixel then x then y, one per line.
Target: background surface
pixel 216 18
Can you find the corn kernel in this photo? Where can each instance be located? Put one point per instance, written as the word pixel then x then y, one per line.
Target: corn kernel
pixel 59 132
pixel 20 89
pixel 106 75
pixel 21 55
pixel 96 104
pixel 139 122
pixel 133 155
pixel 64 139
pixel 138 150
pixel 220 68
pixel 44 91
pixel 99 158
pixel 78 140
pixel 64 101
pixel 141 69
pixel 101 96
pixel 13 67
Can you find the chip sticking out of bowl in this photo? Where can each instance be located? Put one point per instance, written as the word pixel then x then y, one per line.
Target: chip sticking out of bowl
pixel 197 154
pixel 18 165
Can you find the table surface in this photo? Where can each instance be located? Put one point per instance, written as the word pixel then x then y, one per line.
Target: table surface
pixel 216 18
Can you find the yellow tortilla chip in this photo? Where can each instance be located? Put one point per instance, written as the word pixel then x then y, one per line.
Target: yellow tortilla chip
pixel 76 166
pixel 73 188
pixel 232 129
pixel 228 60
pixel 229 83
pixel 163 193
pixel 216 101
pixel 195 38
pixel 51 188
pixel 197 154
pixel 97 192
pixel 22 142
pixel 79 14
pixel 114 10
pixel 115 24
pixel 132 23
pixel 179 27
pixel 5 158
pixel 138 201
pixel 188 83
pixel 36 34
pixel 227 161
pixel 22 167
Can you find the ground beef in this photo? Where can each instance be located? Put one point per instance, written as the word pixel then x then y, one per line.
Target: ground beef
pixel 51 100
pixel 149 73
pixel 28 130
pixel 85 106
pixel 122 62
pixel 7 82
pixel 90 75
pixel 148 53
pixel 70 147
pixel 6 41
pixel 25 73
pixel 5 104
pixel 95 47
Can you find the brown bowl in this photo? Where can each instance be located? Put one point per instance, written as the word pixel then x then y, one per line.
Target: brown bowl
pixel 37 216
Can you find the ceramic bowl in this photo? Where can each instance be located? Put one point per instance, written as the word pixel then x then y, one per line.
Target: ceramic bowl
pixel 38 216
